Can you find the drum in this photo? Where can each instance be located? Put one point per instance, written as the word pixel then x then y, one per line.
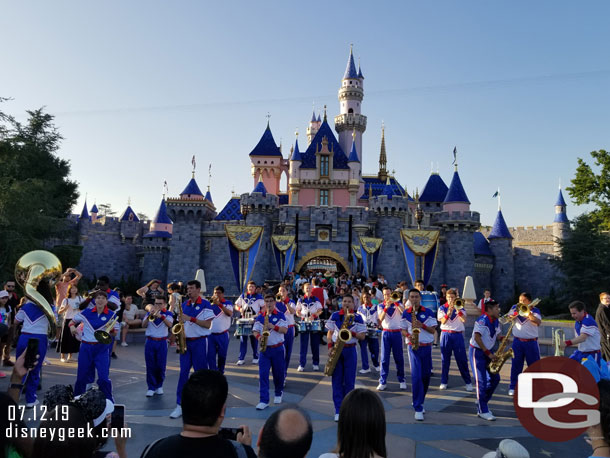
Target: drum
pixel 302 326
pixel 244 327
pixel 315 326
pixel 373 332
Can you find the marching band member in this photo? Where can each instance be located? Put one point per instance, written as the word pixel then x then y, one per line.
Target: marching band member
pixel 155 349
pixel 390 317
pixel 103 284
pixel 486 298
pixel 35 326
pixel 587 334
pixel 368 312
pixel 344 375
pixel 452 340
pixel 486 331
pixel 287 307
pixel 94 355
pixel 419 317
pixel 248 305
pixel 525 341
pixel 273 356
pixel 197 318
pixel 218 343
pixel 309 309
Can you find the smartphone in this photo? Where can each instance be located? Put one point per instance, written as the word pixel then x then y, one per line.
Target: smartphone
pixel 118 416
pixel 30 353
pixel 229 433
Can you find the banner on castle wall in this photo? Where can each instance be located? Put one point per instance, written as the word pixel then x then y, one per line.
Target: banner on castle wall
pixel 244 243
pixel 369 252
pixel 284 248
pixel 422 244
pixel 356 250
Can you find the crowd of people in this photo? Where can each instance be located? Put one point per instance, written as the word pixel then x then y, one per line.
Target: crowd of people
pixel 350 312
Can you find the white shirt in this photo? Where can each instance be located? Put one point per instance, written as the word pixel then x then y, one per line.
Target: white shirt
pixel 307 307
pixel 453 323
pixel 392 320
pixel 33 319
pixel 525 328
pixel 158 329
pixel 130 313
pixel 277 319
pixel 280 306
pixel 490 331
pixel 221 321
pixel 71 306
pixel 589 327
pixel 369 315
pixel 202 310
pixel 426 316
pixel 249 305
pixel 335 322
pixel 94 321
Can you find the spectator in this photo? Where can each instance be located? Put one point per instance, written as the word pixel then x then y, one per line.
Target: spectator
pixel 286 433
pixel 204 402
pixel 486 298
pixel 5 324
pixel 13 303
pixel 599 435
pixel 361 429
pixel 69 307
pixel 602 318
pixel 509 448
pixel 130 319
pixel 150 291
pixel 60 419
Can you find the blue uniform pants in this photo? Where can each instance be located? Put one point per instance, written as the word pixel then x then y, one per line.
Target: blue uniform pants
pixel 391 341
pixel 288 343
pixel 218 345
pixel 93 356
pixel 272 358
pixel 315 348
pixel 195 356
pixel 579 355
pixel 33 377
pixel 524 351
pixel 344 376
pixel 421 369
pixel 486 382
pixel 243 347
pixel 155 354
pixel 373 345
pixel 453 343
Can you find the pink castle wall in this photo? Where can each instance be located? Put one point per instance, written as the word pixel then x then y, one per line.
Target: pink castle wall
pixel 456 207
pixel 340 197
pixel 307 197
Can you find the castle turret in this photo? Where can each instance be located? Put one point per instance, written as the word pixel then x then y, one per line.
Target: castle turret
pixel 456 198
pixel 350 105
pixel 354 177
pixel 267 162
pixel 208 195
pixel 434 193
pixel 314 126
pixel 294 182
pixel 161 225
pixel 94 213
pixel 561 224
pixel 84 214
pixel 156 245
pixel 503 272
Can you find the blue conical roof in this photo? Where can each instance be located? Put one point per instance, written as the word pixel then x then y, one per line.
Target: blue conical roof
pixel 388 189
pixel 561 218
pixel 499 229
pixel 208 196
pixel 456 191
pixel 350 71
pixel 129 215
pixel 360 75
pixel 260 187
pixel 313 117
pixel 84 214
pixel 296 154
pixel 435 189
pixel 481 245
pixel 560 202
pixel 231 211
pixel 309 156
pixel 353 155
pixel 161 216
pixel 94 209
pixel 192 189
pixel 266 145
pixel 319 119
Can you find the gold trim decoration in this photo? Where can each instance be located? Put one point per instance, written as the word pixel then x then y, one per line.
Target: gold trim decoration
pixel 323 253
pixel 356 250
pixel 282 242
pixel 370 244
pixel 420 242
pixel 243 237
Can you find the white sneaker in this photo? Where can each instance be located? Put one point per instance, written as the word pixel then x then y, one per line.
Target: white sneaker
pixel 177 413
pixel 403 385
pixel 150 393
pixel 364 371
pixel 316 367
pixel 376 368
pixel 300 369
pixel 419 416
pixel 124 344
pixel 255 361
pixel 261 406
pixel 30 405
pixel 336 417
pixel 487 416
pixel 63 360
pixel 469 387
pixel 381 387
pixel 443 386
pixel 159 390
pixel 277 400
pixel 240 362
pixel 511 392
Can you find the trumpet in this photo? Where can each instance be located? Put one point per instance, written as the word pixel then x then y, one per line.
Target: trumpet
pixel 278 297
pixel 458 304
pixel 103 335
pixel 153 316
pixel 396 297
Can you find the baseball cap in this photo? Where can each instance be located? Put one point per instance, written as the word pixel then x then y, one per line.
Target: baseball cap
pixel 4 293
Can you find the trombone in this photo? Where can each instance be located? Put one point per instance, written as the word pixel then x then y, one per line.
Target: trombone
pixel 103 335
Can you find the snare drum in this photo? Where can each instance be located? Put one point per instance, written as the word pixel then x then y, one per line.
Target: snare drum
pixel 302 326
pixel 373 332
pixel 244 327
pixel 315 326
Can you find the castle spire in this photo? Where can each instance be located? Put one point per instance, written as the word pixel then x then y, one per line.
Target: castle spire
pixel 383 158
pixel 499 229
pixel 350 70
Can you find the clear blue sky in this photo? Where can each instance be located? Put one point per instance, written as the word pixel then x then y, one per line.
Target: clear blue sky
pixel 522 88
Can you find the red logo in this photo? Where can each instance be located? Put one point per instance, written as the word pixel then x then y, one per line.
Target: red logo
pixel 557 399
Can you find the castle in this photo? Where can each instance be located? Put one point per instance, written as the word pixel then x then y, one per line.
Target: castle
pixel 330 207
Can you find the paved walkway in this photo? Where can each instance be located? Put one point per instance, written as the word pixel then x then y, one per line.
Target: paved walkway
pixel 451 428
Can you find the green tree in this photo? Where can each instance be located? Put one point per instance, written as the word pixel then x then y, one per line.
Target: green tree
pixel 36 194
pixel 589 187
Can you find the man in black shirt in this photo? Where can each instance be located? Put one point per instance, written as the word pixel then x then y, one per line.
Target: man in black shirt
pixel 204 401
pixel 602 318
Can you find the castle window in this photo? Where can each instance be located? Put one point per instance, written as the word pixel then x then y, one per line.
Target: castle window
pixel 323 196
pixel 324 165
pixel 351 110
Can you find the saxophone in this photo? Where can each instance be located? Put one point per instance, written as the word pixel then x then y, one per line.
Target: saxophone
pixel 344 336
pixel 178 330
pixel 414 331
pixel 265 334
pixel 503 355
